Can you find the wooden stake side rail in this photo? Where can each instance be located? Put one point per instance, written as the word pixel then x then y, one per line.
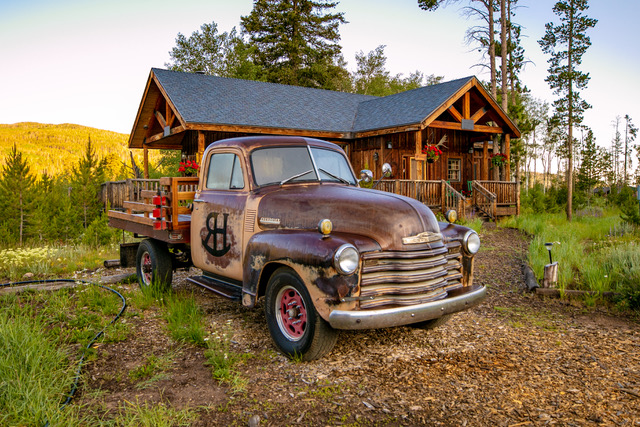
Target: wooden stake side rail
pixel 158 203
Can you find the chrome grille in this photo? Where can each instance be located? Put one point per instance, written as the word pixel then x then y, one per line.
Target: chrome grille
pixel 454 266
pixel 401 278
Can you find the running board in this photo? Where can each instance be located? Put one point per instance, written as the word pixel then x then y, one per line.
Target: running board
pixel 224 289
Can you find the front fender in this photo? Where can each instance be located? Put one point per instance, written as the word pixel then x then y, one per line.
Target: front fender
pixel 310 255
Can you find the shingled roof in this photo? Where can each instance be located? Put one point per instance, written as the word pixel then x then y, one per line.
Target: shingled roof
pixel 210 102
pixel 209 99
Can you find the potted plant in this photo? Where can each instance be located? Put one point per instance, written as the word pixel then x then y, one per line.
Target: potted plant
pixel 188 168
pixel 432 151
pixel 498 159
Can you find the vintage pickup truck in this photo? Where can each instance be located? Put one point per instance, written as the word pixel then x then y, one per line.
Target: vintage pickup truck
pixel 284 218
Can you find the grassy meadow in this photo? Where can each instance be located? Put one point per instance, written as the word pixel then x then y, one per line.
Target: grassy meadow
pixel 597 251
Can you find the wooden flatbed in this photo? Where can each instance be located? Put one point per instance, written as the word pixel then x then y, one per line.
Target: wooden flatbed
pixel 158 208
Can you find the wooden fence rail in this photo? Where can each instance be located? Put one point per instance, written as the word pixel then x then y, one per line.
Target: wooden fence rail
pixel 437 194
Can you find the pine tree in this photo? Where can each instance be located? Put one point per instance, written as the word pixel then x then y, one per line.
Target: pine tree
pixel 566 43
pixel 630 133
pixel 87 177
pixel 16 195
pixel 296 41
pixel 588 176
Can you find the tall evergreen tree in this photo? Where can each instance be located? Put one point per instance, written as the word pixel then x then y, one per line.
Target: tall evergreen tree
pixel 16 196
pixel 630 133
pixel 87 177
pixel 588 173
pixel 296 41
pixel 214 53
pixel 566 43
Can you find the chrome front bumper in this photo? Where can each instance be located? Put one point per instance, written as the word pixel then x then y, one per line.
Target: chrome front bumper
pixel 385 318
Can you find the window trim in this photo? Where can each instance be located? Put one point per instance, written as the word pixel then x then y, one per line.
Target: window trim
pixel 459 169
pixel 238 157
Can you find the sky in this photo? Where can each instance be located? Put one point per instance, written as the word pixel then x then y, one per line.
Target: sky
pixel 87 61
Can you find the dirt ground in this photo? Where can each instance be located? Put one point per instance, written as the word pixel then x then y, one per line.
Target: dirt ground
pixel 515 360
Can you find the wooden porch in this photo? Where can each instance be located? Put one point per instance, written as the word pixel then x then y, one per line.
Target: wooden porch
pixel 490 199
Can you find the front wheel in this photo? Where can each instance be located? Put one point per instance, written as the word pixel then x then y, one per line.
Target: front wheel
pixel 153 265
pixel 294 324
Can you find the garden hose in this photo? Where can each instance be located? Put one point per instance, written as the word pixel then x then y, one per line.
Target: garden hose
pixel 74 388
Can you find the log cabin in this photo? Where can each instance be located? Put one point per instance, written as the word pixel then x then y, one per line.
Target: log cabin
pixel 189 111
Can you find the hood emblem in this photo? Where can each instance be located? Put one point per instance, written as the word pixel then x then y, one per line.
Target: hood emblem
pixel 426 237
pixel 269 221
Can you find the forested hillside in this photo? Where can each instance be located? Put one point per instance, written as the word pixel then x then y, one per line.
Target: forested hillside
pixel 55 148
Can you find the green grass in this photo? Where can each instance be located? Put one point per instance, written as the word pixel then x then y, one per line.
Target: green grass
pixel 590 257
pixel 224 361
pixel 35 371
pixel 145 415
pixel 184 320
pixel 51 261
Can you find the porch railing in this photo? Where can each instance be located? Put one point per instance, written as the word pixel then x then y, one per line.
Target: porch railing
pixel 427 192
pixel 115 193
pixel 505 191
pixel 451 199
pixel 483 199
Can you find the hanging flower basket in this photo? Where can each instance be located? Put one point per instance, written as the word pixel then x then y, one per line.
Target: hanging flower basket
pixel 433 153
pixel 498 159
pixel 188 168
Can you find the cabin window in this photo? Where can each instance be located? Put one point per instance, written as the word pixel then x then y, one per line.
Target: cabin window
pixel 454 170
pixel 224 172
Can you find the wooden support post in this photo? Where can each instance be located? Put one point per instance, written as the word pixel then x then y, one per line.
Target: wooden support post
pixel 443 196
pixel 146 162
pixel 418 154
pixel 484 166
pixel 507 149
pixel 466 106
pixel 201 147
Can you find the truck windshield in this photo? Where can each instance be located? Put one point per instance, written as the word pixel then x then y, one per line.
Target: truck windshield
pixel 280 165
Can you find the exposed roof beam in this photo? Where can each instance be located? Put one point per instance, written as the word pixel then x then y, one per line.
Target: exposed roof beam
pixel 458 126
pixel 478 114
pixel 456 115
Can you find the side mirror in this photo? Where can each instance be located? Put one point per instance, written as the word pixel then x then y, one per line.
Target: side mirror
pixel 386 170
pixel 366 176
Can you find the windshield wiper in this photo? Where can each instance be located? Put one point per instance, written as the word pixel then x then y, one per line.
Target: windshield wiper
pixel 295 176
pixel 334 176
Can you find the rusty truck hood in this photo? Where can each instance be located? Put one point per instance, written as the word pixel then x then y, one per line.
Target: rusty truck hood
pixel 385 217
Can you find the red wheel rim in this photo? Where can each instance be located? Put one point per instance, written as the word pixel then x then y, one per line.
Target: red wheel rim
pixel 291 313
pixel 146 268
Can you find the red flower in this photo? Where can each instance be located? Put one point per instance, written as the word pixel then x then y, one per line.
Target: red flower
pixel 188 168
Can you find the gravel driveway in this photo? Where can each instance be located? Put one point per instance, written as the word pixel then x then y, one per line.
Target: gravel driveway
pixel 515 360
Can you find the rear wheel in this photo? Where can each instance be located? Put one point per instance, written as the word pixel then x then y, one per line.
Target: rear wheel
pixel 153 265
pixel 295 326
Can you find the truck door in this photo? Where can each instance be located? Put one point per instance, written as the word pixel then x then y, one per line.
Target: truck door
pixel 218 216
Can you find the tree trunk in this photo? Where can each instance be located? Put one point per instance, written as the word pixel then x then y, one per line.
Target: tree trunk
pixel 570 120
pixel 492 49
pixel 503 53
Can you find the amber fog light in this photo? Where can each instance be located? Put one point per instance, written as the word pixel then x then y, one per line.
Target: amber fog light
pixel 471 242
pixel 451 216
pixel 325 226
pixel 346 259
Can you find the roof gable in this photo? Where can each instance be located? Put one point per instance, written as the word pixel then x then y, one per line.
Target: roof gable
pixel 405 108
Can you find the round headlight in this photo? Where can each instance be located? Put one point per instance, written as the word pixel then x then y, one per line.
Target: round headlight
pixel 471 242
pixel 346 259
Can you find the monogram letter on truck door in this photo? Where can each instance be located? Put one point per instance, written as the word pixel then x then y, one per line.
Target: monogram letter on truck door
pixel 213 249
